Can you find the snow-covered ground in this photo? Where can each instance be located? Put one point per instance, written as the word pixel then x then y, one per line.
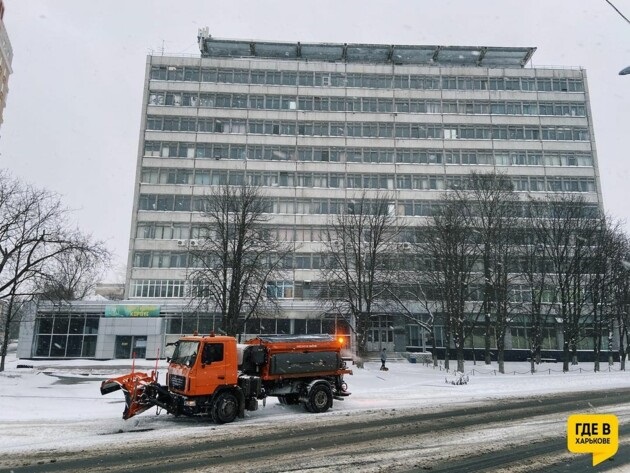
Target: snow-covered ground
pixel 57 405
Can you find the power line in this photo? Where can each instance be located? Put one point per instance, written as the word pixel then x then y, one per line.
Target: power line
pixel 617 10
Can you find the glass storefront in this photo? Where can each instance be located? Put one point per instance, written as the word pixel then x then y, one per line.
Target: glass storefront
pixel 61 335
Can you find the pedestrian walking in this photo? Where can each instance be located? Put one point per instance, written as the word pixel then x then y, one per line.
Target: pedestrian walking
pixel 383 359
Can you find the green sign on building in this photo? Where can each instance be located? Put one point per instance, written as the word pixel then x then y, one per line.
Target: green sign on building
pixel 123 310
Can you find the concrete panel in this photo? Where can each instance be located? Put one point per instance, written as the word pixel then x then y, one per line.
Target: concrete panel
pixel 26 340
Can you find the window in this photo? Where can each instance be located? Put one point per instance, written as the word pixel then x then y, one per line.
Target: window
pixel 450 133
pixel 212 352
pixel 157 288
pixel 280 289
pixel 158 73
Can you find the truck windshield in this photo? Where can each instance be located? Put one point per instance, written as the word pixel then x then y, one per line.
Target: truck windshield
pixel 185 353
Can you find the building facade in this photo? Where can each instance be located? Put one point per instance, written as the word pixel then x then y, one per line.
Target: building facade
pixel 6 57
pixel 315 126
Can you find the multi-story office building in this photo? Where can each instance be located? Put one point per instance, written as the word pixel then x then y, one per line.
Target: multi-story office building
pixel 6 56
pixel 317 124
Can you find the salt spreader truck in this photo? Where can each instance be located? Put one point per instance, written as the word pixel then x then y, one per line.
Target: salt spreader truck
pixel 216 377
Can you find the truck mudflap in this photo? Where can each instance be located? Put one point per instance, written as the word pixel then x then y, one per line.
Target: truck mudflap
pixel 134 386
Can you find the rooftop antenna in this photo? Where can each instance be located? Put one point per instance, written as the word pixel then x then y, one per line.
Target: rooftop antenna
pixel 202 35
pixel 162 49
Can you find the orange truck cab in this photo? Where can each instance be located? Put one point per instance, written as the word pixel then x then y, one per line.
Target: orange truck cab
pixel 215 376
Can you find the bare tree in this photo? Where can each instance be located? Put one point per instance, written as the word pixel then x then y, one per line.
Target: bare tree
pixel 360 268
pixel 566 224
pixel 534 272
pixel 489 203
pixel 621 294
pixel 73 275
pixel 237 256
pixel 452 248
pixel 33 231
pixel 603 253
pixel 608 285
pixel 412 294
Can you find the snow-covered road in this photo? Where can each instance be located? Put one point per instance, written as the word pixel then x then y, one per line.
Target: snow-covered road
pixel 57 407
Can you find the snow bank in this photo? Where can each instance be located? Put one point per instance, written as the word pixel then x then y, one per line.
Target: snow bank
pixel 58 405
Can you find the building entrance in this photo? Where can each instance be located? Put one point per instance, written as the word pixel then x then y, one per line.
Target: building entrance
pixel 128 346
pixel 381 335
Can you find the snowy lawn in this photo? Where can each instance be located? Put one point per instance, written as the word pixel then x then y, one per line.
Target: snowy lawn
pixel 57 404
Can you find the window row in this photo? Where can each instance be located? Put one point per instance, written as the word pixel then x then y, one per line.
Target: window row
pixel 175 288
pixel 206 323
pixel 351 180
pixel 182 203
pixel 169 231
pixel 185 232
pixel 363 80
pixel 285 289
pixel 62 335
pixel 63 324
pixel 189 235
pixel 179 203
pixel 183 259
pixel 367 129
pixel 366 104
pixel 65 346
pixel 365 155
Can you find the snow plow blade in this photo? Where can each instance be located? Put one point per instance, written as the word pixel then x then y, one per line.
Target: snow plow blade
pixel 133 385
pixel 109 386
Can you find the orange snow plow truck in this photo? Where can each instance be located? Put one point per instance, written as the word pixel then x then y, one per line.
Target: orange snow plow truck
pixel 216 377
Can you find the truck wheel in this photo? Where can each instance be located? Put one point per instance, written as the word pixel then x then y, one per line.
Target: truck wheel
pixel 225 408
pixel 319 399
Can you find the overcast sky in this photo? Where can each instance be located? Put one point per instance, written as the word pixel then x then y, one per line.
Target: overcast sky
pixel 74 106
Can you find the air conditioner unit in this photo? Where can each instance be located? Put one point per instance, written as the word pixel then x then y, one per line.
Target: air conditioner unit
pixel 194 243
pixel 181 242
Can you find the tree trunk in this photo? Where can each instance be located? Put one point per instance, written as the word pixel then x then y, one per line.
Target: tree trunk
pixel 597 350
pixel 4 348
pixel 566 356
pixel 460 358
pixel 7 330
pixel 435 357
pixel 487 345
pixel 362 331
pixel 447 342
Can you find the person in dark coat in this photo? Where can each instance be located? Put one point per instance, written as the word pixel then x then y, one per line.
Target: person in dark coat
pixel 383 359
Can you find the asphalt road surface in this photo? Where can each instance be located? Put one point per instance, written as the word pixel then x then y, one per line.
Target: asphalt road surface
pixel 518 435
